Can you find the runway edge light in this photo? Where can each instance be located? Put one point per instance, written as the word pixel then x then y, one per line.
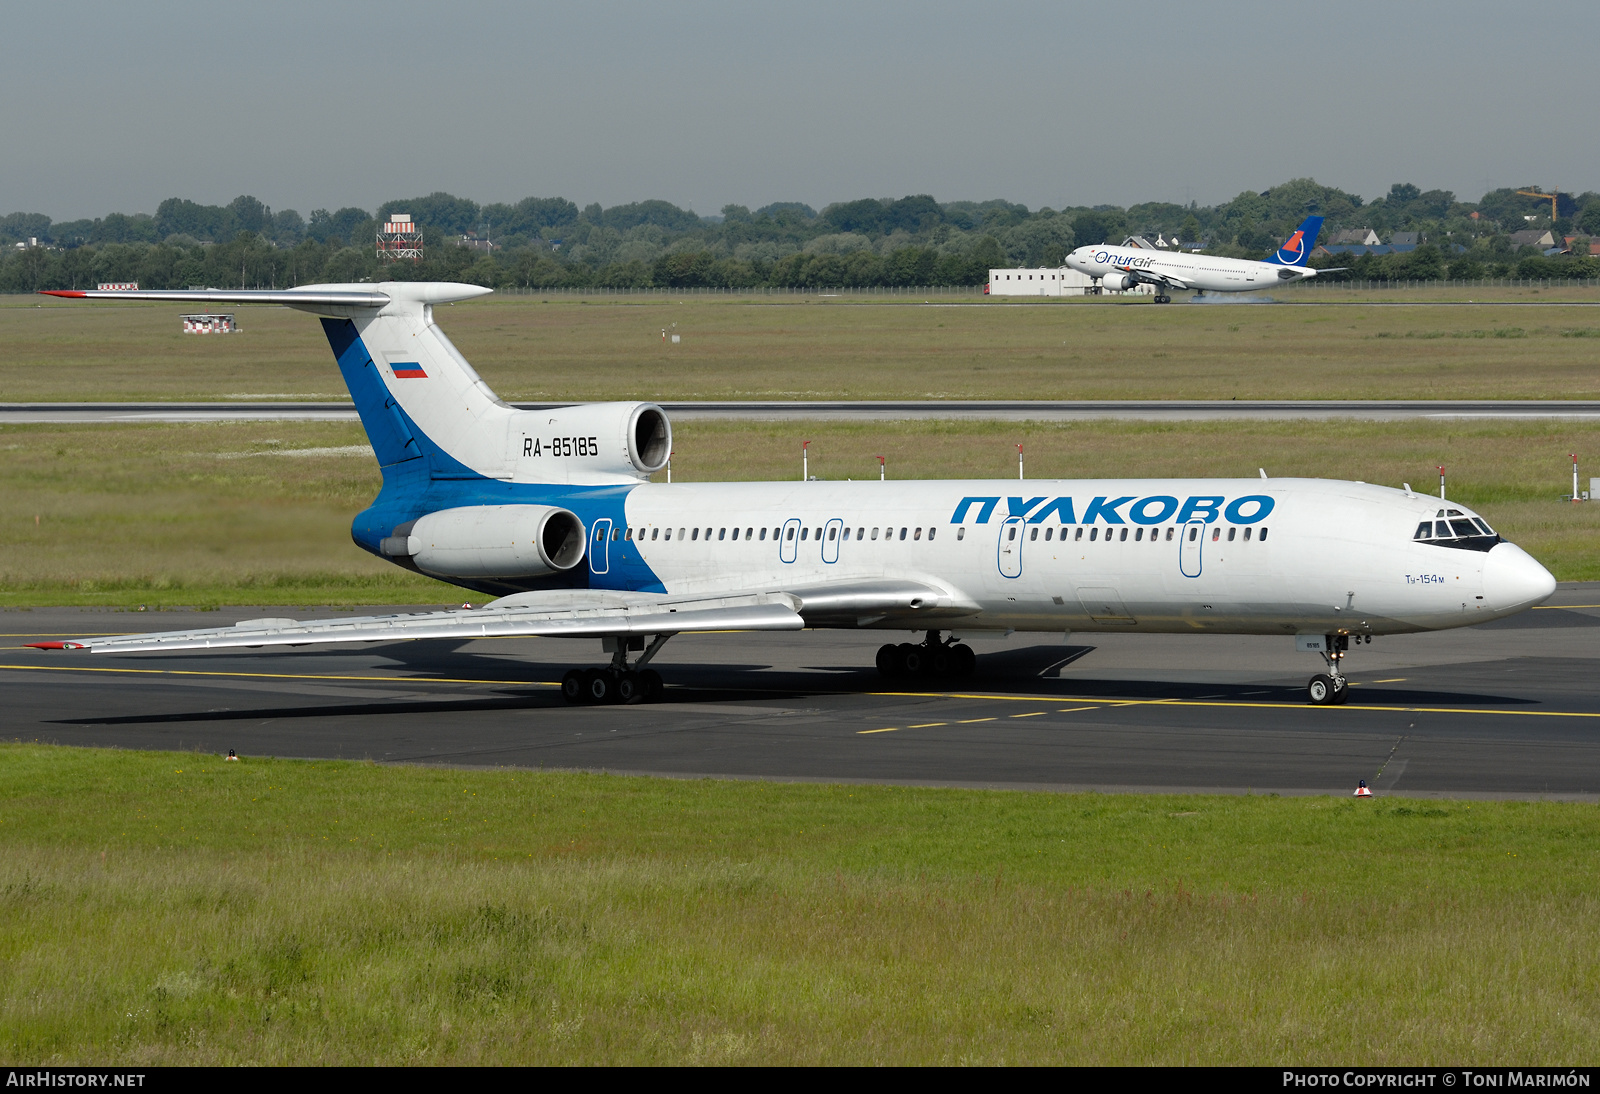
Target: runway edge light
pixel 1362 791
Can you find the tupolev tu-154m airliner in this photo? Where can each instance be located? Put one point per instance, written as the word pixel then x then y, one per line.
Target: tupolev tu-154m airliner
pixel 553 511
pixel 1124 267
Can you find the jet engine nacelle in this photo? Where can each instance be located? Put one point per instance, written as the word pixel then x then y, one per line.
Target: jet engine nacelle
pixel 479 541
pixel 1119 281
pixel 581 443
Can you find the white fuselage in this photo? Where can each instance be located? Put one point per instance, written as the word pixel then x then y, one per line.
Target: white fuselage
pixel 1207 273
pixel 1328 556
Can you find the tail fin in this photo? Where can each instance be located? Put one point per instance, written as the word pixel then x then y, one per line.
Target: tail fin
pixel 417 396
pixel 1297 248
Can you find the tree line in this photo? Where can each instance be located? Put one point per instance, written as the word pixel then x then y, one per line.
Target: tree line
pixel 914 240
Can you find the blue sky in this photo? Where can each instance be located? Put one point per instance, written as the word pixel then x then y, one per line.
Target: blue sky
pixel 112 107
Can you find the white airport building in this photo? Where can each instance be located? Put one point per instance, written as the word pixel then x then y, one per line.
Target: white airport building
pixel 1050 281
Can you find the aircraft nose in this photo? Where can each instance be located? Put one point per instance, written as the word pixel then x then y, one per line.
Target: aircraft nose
pixel 1513 579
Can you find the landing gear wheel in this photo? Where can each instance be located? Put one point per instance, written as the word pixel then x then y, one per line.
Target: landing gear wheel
pixel 964 661
pixel 1341 691
pixel 629 690
pixel 598 686
pixel 572 686
pixel 912 659
pixel 1163 298
pixel 888 661
pixel 654 688
pixel 942 662
pixel 1322 690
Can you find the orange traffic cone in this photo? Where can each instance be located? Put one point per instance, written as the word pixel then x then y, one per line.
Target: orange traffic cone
pixel 1362 791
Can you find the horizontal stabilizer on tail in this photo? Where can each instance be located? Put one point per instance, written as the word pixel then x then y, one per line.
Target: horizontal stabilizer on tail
pixel 304 297
pixel 341 298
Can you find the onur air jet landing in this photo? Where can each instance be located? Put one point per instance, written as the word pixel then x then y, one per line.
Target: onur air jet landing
pixel 553 511
pixel 1125 267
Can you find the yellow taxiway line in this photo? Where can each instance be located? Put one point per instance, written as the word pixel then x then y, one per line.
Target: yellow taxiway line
pixel 1093 703
pixel 1103 703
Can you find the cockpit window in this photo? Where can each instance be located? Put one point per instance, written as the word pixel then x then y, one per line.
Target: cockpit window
pixel 1463 532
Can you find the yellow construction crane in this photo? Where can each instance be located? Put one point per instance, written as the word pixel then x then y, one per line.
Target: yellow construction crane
pixel 1542 196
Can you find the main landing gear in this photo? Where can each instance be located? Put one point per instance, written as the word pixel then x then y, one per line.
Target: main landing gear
pixel 618 682
pixel 1163 298
pixel 1331 688
pixel 931 657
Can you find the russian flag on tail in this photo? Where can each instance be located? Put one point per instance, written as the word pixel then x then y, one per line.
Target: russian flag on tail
pixel 408 370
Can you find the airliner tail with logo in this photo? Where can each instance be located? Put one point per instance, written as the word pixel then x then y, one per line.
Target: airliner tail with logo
pixel 554 512
pixel 1124 267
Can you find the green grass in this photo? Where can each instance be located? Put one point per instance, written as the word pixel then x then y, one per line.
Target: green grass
pixel 259 513
pixel 172 908
pixel 853 347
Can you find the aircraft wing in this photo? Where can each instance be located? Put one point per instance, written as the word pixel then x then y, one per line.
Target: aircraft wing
pixel 1155 279
pixel 564 614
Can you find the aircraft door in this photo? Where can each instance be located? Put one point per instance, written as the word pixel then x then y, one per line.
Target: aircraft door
pixel 1190 547
pixel 1009 551
pixel 789 540
pixel 831 535
pixel 600 546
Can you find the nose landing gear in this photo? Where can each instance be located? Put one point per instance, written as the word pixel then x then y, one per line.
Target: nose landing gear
pixel 617 682
pixel 1331 688
pixel 931 657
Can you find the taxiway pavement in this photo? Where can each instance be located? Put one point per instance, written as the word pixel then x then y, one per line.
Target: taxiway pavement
pixel 1510 709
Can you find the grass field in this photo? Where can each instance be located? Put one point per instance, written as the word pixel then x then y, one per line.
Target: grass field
pixel 259 513
pixel 175 909
pixel 855 347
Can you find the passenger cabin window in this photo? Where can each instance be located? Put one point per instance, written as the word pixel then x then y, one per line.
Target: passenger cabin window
pixel 1093 532
pixel 804 532
pixel 1078 534
pixel 696 534
pixel 1033 533
pixel 874 533
pixel 1263 536
pixel 961 533
pixel 918 535
pixel 722 533
pixel 1216 534
pixel 832 534
pixel 931 531
pixel 791 533
pixel 1193 534
pixel 1231 532
pixel 902 533
pixel 861 534
pixel 1169 534
pixel 1122 537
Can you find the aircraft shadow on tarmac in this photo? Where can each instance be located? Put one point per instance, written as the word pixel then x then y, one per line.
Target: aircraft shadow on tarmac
pixel 1033 670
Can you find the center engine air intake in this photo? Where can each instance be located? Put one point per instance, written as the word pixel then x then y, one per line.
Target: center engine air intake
pixel 491 541
pixel 590 443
